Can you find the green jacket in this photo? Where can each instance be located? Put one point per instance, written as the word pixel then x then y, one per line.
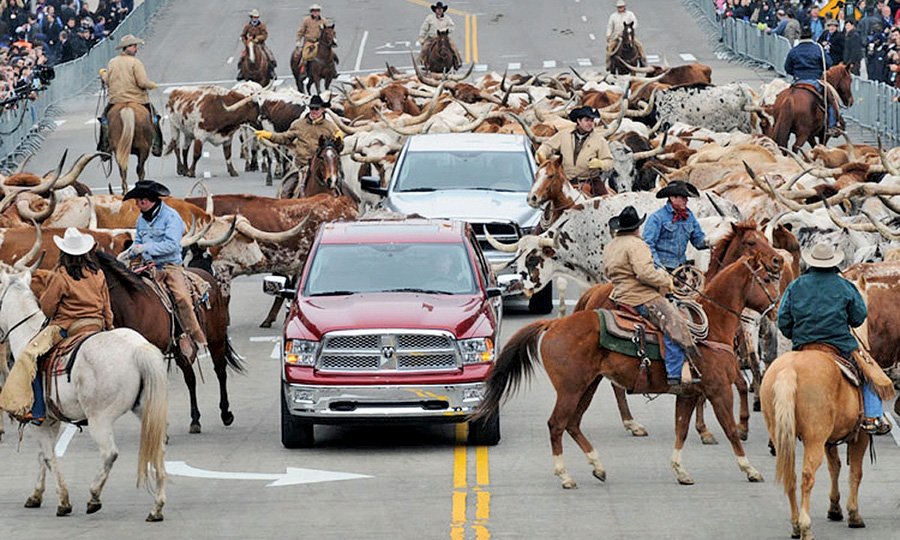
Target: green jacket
pixel 819 307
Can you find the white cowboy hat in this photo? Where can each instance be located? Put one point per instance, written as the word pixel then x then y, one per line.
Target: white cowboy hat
pixel 620 3
pixel 822 255
pixel 315 7
pixel 129 40
pixel 74 242
pixel 254 13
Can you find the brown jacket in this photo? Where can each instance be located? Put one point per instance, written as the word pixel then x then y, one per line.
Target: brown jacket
pixel 127 80
pixel 563 143
pixel 627 262
pixel 303 137
pixel 258 33
pixel 66 300
pixel 310 29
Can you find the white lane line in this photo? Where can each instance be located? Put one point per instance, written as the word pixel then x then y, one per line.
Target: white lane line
pixel 276 352
pixel 652 58
pixel 688 57
pixel 91 122
pixel 479 68
pixel 514 65
pixel 584 62
pixel 549 64
pixel 264 339
pixel 583 18
pixel 59 122
pixel 362 47
pixel 63 443
pixel 207 174
pixel 592 36
pixel 230 60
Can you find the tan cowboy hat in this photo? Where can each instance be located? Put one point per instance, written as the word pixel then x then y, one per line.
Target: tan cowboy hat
pixel 254 13
pixel 831 22
pixel 128 40
pixel 315 7
pixel 822 255
pixel 74 242
pixel 620 3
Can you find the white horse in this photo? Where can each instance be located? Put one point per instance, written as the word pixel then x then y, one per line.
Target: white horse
pixel 114 372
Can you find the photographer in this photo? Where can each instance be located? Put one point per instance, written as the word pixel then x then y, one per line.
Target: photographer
pixel 832 41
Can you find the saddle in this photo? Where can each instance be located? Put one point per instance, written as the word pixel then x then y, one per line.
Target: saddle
pixel 624 331
pixel 59 361
pixel 848 368
pixel 809 88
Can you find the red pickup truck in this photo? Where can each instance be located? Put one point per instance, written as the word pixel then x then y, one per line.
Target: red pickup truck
pixel 392 321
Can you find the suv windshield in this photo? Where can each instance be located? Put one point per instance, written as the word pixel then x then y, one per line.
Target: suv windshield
pixel 437 171
pixel 434 268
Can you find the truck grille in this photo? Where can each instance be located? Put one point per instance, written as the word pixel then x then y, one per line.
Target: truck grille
pixel 388 351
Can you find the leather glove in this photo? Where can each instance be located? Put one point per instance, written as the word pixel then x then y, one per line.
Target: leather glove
pixel 263 134
pixel 597 163
pixel 102 72
pixel 339 135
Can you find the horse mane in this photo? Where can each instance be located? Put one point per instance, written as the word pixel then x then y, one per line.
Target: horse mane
pixel 719 250
pixel 114 270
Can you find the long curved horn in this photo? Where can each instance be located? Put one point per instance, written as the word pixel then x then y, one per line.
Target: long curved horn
pixel 471 126
pixel 346 128
pixel 499 246
pixel 190 239
pixel 424 79
pixel 50 180
pixel 237 104
pixel 209 199
pixel 611 128
pixel 22 263
pixel 862 227
pixel 889 203
pixel 892 170
pixel 534 138
pixel 92 213
pixel 223 239
pixel 244 226
pixel 359 158
pixel 652 152
pixel 368 99
pixel 27 213
pixel 644 111
pixel 637 69
pixel 77 168
pixel 881 227
pixel 851 149
pixel 715 205
pixel 402 130
pixel 463 76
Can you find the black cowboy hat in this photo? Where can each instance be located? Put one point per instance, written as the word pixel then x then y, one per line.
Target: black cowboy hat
pixel 316 103
pixel 677 187
pixel 626 221
pixel 147 189
pixel 583 112
pixel 437 5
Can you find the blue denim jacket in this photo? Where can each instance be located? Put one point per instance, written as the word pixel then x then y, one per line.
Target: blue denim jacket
pixel 667 240
pixel 161 238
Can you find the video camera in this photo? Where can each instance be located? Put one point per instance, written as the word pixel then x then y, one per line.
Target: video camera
pixel 40 79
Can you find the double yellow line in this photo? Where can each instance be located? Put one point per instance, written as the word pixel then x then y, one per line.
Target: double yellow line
pixel 471 46
pixel 461 489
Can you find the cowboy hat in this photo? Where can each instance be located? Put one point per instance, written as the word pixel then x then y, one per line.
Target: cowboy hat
pixel 831 22
pixel 822 255
pixel 316 102
pixel 128 40
pixel 627 220
pixel 254 13
pixel 315 7
pixel 441 5
pixel 147 189
pixel 583 112
pixel 73 242
pixel 677 188
pixel 620 3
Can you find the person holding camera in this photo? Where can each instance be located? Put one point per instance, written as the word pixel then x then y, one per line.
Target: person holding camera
pixel 832 40
pixel 854 49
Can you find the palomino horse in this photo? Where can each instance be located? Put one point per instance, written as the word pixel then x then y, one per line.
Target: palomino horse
pixel 323 66
pixel 625 54
pixel 254 64
pixel 570 351
pixel 439 57
pixel 130 133
pixel 324 174
pixel 113 372
pixel 798 110
pixel 136 306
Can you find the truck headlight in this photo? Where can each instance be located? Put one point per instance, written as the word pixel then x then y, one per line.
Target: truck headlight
pixel 477 350
pixel 300 352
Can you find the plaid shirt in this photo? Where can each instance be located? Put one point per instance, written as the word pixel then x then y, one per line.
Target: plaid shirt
pixel 668 240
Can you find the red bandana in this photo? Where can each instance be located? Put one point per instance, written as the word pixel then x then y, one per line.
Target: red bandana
pixel 680 215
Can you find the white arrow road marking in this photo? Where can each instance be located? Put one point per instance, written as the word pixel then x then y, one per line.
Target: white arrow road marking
pixel 290 477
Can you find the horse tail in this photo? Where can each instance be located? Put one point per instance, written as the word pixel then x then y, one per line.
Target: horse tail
pixel 155 412
pixel 785 433
pixel 232 359
pixel 123 145
pixel 515 363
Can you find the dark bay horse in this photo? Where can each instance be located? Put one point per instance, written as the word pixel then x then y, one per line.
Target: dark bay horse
pixel 575 363
pixel 439 57
pixel 254 64
pixel 799 111
pixel 324 174
pixel 625 54
pixel 130 133
pixel 136 306
pixel 323 66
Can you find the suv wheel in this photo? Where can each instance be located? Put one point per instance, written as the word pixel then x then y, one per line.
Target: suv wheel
pixel 295 432
pixel 541 302
pixel 485 432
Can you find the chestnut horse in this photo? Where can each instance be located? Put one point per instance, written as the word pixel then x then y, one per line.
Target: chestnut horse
pixel 575 363
pixel 551 187
pixel 439 57
pixel 625 54
pixel 324 174
pixel 323 65
pixel 254 64
pixel 799 111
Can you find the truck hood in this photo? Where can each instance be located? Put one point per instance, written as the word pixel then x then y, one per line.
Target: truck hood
pixel 467 205
pixel 459 314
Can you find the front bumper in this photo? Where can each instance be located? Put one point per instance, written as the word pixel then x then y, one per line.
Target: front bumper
pixel 336 404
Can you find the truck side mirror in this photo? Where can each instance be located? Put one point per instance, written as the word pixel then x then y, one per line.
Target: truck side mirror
pixel 275 286
pixel 372 184
pixel 494 292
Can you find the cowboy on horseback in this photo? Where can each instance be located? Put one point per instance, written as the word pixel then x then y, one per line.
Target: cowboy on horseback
pixel 255 31
pixel 807 63
pixel 75 299
pixel 127 81
pixel 584 151
pixel 817 311
pixel 303 135
pixel 614 28
pixel 308 36
pixel 670 228
pixel 640 286
pixel 157 246
pixel 437 21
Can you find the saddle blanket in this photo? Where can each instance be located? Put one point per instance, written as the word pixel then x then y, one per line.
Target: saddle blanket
pixel 617 328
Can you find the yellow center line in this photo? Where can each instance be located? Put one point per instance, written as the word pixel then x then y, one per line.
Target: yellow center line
pixel 460 483
pixel 471 26
pixel 474 38
pixel 468 38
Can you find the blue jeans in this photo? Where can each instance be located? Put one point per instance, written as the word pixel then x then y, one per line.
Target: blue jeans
pixel 38 410
pixel 872 405
pixel 674 355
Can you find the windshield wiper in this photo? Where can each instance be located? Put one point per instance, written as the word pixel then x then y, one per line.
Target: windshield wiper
pixel 334 293
pixel 494 189
pixel 418 190
pixel 415 290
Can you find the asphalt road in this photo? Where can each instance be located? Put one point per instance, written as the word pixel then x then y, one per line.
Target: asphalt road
pixel 419 483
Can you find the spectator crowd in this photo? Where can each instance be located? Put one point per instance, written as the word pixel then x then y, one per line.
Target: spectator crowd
pixel 861 33
pixel 42 33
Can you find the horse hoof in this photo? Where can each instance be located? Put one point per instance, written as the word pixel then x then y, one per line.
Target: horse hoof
pixel 195 428
pixel 63 510
pixel 686 480
pixel 857 524
pixel 771 448
pixel 232 173
pixel 190 174
pixel 93 507
pixel 227 418
pixel 154 518
pixel 835 515
pixel 266 324
pixel 755 477
pixel 600 475
pixel 33 502
pixel 268 182
pixel 756 406
pixel 743 434
pixel 640 432
pixel 707 438
pixel 569 484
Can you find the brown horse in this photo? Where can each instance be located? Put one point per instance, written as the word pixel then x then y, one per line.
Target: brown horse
pixel 553 189
pixel 254 64
pixel 322 66
pixel 136 306
pixel 324 174
pixel 799 111
pixel 625 54
pixel 439 56
pixel 575 363
pixel 130 133
pixel 805 396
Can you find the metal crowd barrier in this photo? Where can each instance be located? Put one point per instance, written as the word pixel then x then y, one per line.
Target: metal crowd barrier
pixel 874 103
pixel 71 78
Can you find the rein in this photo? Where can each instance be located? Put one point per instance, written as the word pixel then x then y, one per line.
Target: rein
pixel 742 317
pixel 4 336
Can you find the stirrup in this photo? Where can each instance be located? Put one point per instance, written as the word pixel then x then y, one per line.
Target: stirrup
pixel 877 426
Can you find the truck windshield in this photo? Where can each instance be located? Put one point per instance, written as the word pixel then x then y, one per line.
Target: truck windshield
pixel 436 171
pixel 430 268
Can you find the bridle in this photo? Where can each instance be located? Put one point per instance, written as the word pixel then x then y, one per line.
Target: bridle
pixel 318 158
pixel 4 336
pixel 760 281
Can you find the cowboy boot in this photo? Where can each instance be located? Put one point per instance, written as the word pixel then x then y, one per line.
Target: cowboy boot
pixel 156 149
pixel 103 142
